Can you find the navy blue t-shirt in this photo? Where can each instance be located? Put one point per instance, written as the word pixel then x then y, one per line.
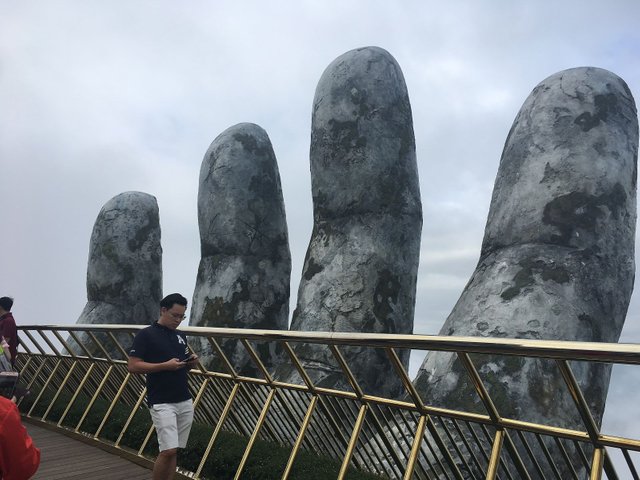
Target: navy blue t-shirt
pixel 157 344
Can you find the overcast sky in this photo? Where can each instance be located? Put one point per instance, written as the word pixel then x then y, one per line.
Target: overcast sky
pixel 98 98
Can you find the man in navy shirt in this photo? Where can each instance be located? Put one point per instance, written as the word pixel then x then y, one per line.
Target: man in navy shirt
pixel 161 352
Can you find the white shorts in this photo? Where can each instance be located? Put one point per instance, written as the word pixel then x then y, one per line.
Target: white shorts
pixel 172 422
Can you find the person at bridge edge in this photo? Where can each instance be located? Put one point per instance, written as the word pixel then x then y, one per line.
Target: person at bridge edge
pixel 19 457
pixel 8 327
pixel 160 351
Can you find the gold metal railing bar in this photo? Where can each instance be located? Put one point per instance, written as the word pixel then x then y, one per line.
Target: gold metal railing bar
pixel 298 442
pixel 256 407
pixel 44 387
pixel 501 464
pixel 94 398
pixel 561 352
pixel 112 405
pixel 216 431
pixel 59 390
pixel 608 467
pixel 48 342
pixel 258 362
pixel 548 456
pixel 430 447
pixel 454 443
pixel 400 371
pixel 212 341
pixel 463 437
pixel 381 441
pixel 80 344
pixel 86 377
pixel 597 464
pixel 443 448
pixel 298 365
pixel 565 456
pixel 146 440
pixel 64 344
pixel 344 409
pixel 585 463
pixel 578 398
pixel 623 353
pixel 352 441
pixel 494 461
pixel 325 403
pixel 480 388
pixel 632 467
pixel 316 441
pixel 335 410
pixel 116 342
pixel 515 456
pixel 100 346
pixel 385 440
pixel 134 410
pixel 35 343
pixel 415 448
pixel 347 371
pixel 254 435
pixel 532 457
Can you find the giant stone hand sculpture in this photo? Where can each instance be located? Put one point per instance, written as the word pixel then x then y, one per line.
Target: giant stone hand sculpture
pixel 124 271
pixel 557 260
pixel 361 265
pixel 244 274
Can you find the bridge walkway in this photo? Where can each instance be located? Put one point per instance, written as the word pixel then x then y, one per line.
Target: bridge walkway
pixel 64 458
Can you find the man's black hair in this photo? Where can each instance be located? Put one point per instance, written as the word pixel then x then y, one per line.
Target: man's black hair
pixel 170 300
pixel 6 303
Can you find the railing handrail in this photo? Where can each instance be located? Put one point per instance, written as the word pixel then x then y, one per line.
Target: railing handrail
pixel 622 353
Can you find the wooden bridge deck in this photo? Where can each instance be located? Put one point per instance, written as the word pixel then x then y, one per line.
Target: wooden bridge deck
pixel 64 458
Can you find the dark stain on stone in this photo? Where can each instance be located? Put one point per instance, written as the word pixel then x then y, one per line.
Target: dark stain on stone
pixel 250 144
pixel 482 326
pixel 579 210
pixel 386 293
pixel 145 231
pixel 346 134
pixel 312 269
pixel 526 276
pixel 604 105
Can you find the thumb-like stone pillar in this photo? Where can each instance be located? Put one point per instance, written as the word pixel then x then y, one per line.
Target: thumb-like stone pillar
pixel 244 274
pixel 557 260
pixel 124 272
pixel 360 270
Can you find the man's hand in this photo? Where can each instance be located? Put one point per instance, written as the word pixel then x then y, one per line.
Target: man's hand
pixel 192 360
pixel 174 364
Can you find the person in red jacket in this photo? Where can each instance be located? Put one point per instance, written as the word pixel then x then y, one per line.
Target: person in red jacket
pixel 19 457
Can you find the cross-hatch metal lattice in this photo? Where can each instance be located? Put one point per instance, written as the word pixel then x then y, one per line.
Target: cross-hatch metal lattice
pixel 393 438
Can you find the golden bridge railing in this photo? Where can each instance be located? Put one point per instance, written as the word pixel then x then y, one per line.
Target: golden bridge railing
pixel 67 365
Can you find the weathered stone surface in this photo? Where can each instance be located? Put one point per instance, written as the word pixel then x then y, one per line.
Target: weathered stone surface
pixel 244 274
pixel 124 272
pixel 360 270
pixel 557 260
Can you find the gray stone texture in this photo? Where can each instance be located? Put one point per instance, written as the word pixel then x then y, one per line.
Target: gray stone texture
pixel 245 269
pixel 124 271
pixel 557 260
pixel 360 270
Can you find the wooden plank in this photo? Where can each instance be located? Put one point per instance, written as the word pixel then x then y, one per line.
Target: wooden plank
pixel 64 458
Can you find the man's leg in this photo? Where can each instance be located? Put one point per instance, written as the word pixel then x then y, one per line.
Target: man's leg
pixel 165 422
pixel 165 465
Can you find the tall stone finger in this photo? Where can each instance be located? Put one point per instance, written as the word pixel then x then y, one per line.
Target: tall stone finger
pixel 124 271
pixel 360 270
pixel 245 269
pixel 557 260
